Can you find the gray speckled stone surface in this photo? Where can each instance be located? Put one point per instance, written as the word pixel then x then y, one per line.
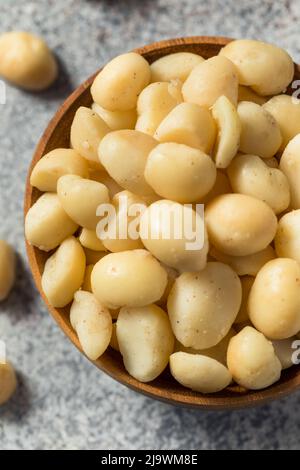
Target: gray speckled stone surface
pixel 63 402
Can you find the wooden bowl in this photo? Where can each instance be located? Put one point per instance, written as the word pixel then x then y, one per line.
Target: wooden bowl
pixel 164 388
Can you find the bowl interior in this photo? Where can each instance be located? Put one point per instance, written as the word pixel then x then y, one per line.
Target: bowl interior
pixel 165 387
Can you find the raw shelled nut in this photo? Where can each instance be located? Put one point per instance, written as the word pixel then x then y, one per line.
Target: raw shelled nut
pixel 55 164
pixel 211 79
pixel 287 240
pixel 27 61
pixel 248 174
pixel 197 320
pixel 286 110
pixel 124 155
pixel 80 198
pixel 260 132
pixel 116 119
pixel 252 361
pixel 145 340
pixel 169 217
pixel 180 173
pixel 174 66
pixel 92 323
pixel 200 373
pixel 188 124
pixel 274 301
pixel 130 278
pixel 7 269
pixel 240 225
pixel 268 69
pixel 8 381
pixel 64 273
pixel 119 83
pixel 87 131
pixel 47 224
pixel 290 166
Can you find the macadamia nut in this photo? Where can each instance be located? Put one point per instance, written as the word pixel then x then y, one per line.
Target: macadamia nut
pixel 55 164
pixel 179 172
pixel 252 361
pixel 145 340
pixel 47 224
pixel 211 79
pixel 203 306
pixel 200 373
pixel 268 69
pixel 117 86
pixel 27 61
pixel 274 301
pixel 7 269
pixel 130 278
pixel 64 273
pixel 92 323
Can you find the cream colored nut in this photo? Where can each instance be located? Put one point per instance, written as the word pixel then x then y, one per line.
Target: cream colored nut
pixel 240 225
pixel 119 83
pixel 260 134
pixel 286 110
pixel 103 177
pixel 92 323
pixel 274 301
pixel 154 104
pixel 252 361
pixel 245 265
pixel 203 306
pixel 221 186
pixel 116 120
pixel 284 351
pixel 188 124
pixel 27 61
pixel 250 175
pixel 217 352
pixel 8 382
pixel 162 231
pixel 229 131
pixel 180 173
pixel 199 373
pixel 47 224
pixel 119 238
pixel 114 339
pixel 130 278
pixel 89 239
pixel 7 269
pixel 87 285
pixel 92 257
pixel 268 69
pixel 287 240
pixel 55 164
pixel 124 155
pixel 247 283
pixel 210 80
pixel 87 131
pixel 174 66
pixel 272 162
pixel 247 94
pixel 145 340
pixel 64 273
pixel 80 199
pixel 290 165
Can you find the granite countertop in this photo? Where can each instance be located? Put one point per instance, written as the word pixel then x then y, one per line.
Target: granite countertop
pixel 63 402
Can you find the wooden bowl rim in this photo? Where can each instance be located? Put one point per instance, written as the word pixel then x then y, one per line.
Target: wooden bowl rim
pixel 184 397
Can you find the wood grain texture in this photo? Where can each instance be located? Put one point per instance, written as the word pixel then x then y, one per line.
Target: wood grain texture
pixel 164 388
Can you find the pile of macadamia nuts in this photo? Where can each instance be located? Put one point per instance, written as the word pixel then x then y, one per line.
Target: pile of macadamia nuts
pixel 183 130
